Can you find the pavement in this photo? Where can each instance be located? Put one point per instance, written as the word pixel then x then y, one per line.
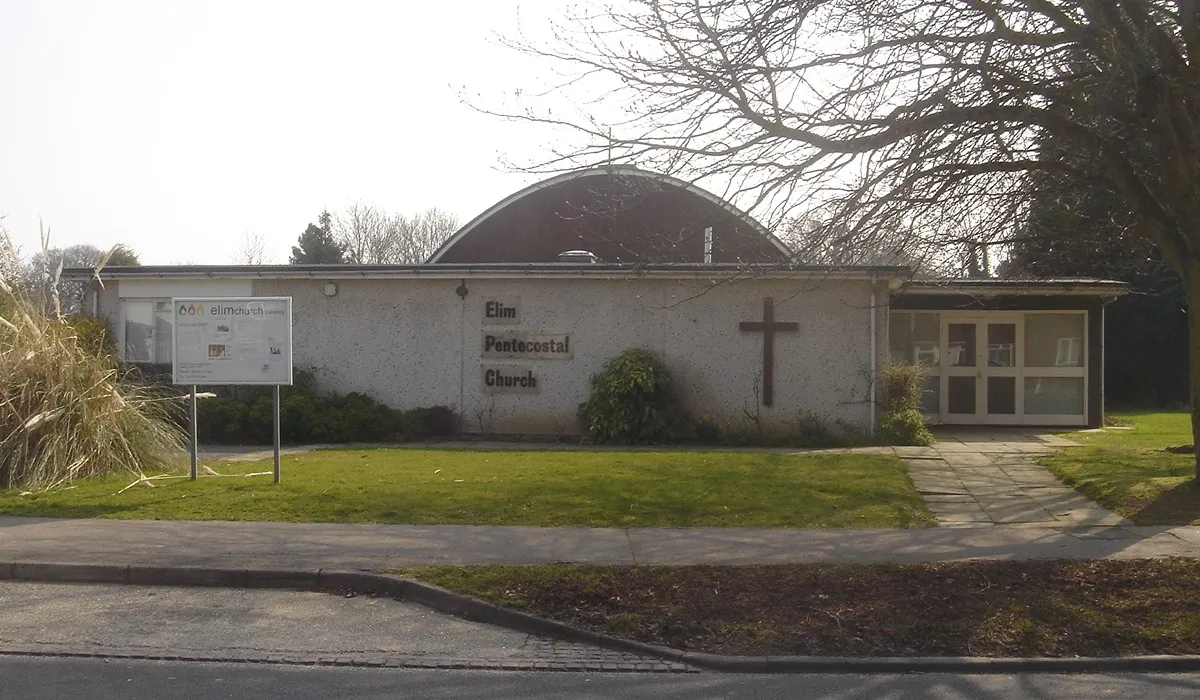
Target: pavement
pixel 985 489
pixel 312 546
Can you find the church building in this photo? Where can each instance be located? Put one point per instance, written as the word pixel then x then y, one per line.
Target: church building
pixel 511 316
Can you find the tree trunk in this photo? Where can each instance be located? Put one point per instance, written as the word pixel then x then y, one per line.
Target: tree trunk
pixel 1191 283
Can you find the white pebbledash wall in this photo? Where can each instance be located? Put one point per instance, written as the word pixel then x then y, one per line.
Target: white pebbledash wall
pixel 417 342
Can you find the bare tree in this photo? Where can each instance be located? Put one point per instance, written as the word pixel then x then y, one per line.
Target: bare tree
pixel 371 236
pixel 252 249
pixel 425 232
pixel 11 272
pixel 43 273
pixel 899 115
pixel 813 241
pixel 368 234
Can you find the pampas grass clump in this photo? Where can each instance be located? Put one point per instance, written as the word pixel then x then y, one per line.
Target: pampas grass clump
pixel 65 413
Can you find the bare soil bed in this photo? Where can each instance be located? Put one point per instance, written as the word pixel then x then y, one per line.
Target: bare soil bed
pixel 979 608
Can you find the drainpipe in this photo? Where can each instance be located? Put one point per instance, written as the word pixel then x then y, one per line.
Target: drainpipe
pixel 708 245
pixel 874 365
pixel 1103 364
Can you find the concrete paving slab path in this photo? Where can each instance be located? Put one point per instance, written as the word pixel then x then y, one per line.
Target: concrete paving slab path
pixel 996 480
pixel 311 546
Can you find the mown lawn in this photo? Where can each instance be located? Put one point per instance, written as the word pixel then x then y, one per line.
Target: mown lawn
pixel 493 487
pixel 1132 473
pixel 976 608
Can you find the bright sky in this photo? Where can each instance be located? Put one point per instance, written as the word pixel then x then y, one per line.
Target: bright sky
pixel 175 127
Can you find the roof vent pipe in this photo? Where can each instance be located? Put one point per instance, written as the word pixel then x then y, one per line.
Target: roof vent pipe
pixel 578 256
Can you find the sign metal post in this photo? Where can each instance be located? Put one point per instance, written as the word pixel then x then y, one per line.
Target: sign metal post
pixel 276 471
pixel 194 442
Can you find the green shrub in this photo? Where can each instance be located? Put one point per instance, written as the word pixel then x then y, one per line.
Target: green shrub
pixel 244 415
pixel 222 421
pixel 902 385
pixel 903 423
pixel 905 427
pixel 632 402
pixel 811 428
pixel 425 423
pixel 357 417
pixel 806 430
pixel 706 431
pixel 298 419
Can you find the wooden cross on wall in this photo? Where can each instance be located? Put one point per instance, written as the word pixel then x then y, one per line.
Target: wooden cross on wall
pixel 768 327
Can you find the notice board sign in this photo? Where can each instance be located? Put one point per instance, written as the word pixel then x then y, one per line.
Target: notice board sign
pixel 231 340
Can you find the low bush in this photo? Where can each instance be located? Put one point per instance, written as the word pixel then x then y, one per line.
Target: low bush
pixel 905 427
pixel 903 423
pixel 806 429
pixel 902 386
pixel 707 431
pixel 222 421
pixel 632 402
pixel 435 421
pixel 243 415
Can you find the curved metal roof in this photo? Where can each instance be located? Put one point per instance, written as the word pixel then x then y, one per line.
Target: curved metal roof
pixel 624 170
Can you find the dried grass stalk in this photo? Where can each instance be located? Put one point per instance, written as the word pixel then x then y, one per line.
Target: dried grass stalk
pixel 65 411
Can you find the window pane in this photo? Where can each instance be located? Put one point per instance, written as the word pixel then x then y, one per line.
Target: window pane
pixel 914 338
pixel 1049 396
pixel 1002 395
pixel 961 345
pixel 931 395
pixel 162 336
pixel 1002 345
pixel 960 395
pixel 148 324
pixel 1054 340
pixel 139 330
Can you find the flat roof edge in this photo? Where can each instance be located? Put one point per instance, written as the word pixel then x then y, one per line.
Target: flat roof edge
pixel 491 270
pixel 1014 287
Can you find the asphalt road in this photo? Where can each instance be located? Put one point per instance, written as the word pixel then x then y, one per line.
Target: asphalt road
pixel 107 641
pixel 255 625
pixel 23 678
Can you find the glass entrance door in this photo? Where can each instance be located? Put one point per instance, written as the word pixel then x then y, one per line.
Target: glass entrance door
pixel 1001 371
pixel 981 370
pixel 960 402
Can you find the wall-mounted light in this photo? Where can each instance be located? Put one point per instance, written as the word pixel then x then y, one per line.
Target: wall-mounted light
pixel 462 290
pixel 330 289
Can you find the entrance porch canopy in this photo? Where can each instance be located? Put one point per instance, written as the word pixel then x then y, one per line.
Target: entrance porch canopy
pixel 1006 352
